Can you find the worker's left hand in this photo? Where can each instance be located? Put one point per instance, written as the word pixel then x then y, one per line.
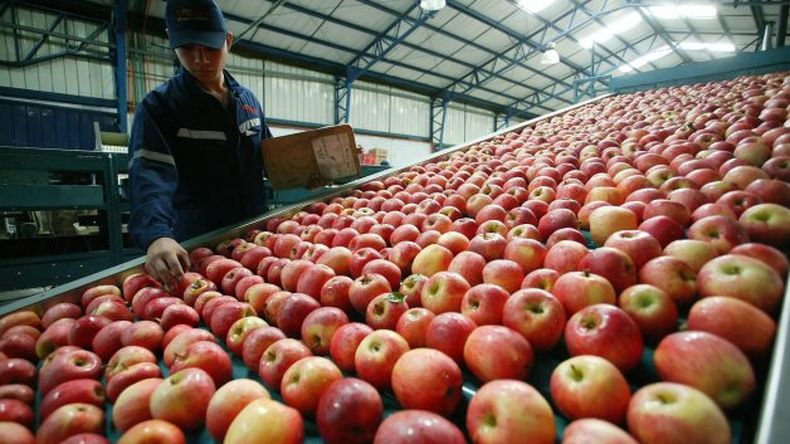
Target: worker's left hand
pixel 166 261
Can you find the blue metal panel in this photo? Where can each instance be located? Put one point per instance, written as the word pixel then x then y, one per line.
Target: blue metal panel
pixel 20 125
pixel 48 138
pixel 34 126
pixel 119 33
pixel 6 124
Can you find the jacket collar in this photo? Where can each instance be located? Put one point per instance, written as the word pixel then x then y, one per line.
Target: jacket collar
pixel 191 81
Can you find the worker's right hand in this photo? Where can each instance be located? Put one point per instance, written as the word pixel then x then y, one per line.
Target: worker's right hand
pixel 166 261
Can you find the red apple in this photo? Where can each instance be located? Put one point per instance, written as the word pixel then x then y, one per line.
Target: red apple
pixel 265 420
pixel 612 264
pixel 606 331
pixel 579 289
pixel 765 253
pixel 278 357
pixel 76 364
pixel 444 292
pixel 410 426
pixel 208 356
pixel 228 401
pixel 70 420
pixel 671 275
pixel 497 352
pixel 319 326
pixel 537 315
pixel 305 382
pixel 128 376
pixel 743 278
pixel 427 379
pixel 133 404
pixel 565 256
pixel 376 356
pixel 60 311
pixel 87 391
pixel 651 308
pixel 349 412
pixel 744 325
pixel 448 333
pixel 182 399
pixel 588 386
pixel 259 340
pixel 582 431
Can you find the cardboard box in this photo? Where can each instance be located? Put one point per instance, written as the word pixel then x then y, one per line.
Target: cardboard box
pixel 311 158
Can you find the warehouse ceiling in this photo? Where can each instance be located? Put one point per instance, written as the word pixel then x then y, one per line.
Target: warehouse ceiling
pixel 490 52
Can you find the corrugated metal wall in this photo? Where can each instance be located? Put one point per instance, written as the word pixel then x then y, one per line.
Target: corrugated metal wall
pixel 64 75
pixel 465 123
pixel 389 110
pixel 297 94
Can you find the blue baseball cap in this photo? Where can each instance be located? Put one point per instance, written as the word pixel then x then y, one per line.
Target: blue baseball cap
pixel 195 22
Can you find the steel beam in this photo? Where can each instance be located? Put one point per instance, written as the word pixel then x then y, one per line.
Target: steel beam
pixel 119 59
pixel 439 107
pixel 781 33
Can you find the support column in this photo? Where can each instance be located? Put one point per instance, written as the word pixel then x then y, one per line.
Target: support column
pixel 119 34
pixel 438 119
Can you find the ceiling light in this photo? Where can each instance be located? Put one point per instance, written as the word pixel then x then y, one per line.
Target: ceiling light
pixel 432 5
pixel 550 56
pixel 618 26
pixel 645 59
pixel 534 6
pixel 702 46
pixel 685 11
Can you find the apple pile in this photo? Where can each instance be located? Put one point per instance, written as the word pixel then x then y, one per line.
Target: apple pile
pixel 593 233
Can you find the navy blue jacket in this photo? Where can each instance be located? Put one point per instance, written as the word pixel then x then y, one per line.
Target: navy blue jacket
pixel 195 166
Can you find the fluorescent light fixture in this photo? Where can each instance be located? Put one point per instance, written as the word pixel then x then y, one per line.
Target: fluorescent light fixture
pixel 535 6
pixel 619 26
pixel 698 11
pixel 432 5
pixel 645 59
pixel 702 46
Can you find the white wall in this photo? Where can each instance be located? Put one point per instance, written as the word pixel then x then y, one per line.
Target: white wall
pixel 297 94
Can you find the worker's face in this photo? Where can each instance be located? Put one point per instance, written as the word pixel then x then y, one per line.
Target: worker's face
pixel 206 64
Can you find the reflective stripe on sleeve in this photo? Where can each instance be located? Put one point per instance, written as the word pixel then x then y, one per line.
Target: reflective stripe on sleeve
pixel 152 155
pixel 187 133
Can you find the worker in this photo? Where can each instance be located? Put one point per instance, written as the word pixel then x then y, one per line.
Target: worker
pixel 196 162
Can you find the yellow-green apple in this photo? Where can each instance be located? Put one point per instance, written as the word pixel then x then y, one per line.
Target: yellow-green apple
pixel 344 343
pixel 76 364
pixel 181 342
pixel 278 357
pixel 133 403
pixel 413 325
pixel 349 411
pixel 496 352
pixel 537 315
pixel 613 265
pixel 16 433
pixel 609 219
pixel 606 331
pixel 256 343
pixel 19 392
pixel 293 311
pixel 587 430
pixel 673 276
pixel 765 253
pixel 507 411
pixel 305 382
pixel 651 308
pixel 266 420
pixel 443 292
pixel 768 223
pixel 208 356
pixel 504 273
pixel 431 260
pixel 60 311
pixel 686 415
pixel 313 279
pixel 588 386
pixel 129 376
pixel 447 332
pixel 409 426
pixel 528 253
pixel 744 278
pixel 14 410
pixel 179 314
pixel 640 246
pixel 483 304
pixel 153 431
pixel 87 391
pixel 70 420
pixel 427 379
pixel 708 363
pixel 319 326
pixel 411 288
pixel 385 309
pixel 183 398
pixel 228 401
pixel 565 256
pixel 722 232
pixel 469 265
pixel 132 284
pixel 579 289
pixel 108 340
pixel 240 330
pixel 376 356
pixel 695 253
pixel 741 323
pixel 146 334
pixel 365 288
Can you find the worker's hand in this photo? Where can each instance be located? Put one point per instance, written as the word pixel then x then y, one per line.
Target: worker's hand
pixel 166 261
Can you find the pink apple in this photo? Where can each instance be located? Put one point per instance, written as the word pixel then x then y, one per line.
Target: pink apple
pixel 744 325
pixel 606 331
pixel 497 352
pixel 133 404
pixel 671 275
pixel 349 411
pixel 579 289
pixel 427 379
pixel 743 278
pixel 259 340
pixel 537 315
pixel 319 326
pixel 278 357
pixel 376 356
pixel 228 401
pixel 344 343
pixel 266 420
pixel 406 426
pixel 651 308
pixel 589 386
pixel 448 333
pixel 183 398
